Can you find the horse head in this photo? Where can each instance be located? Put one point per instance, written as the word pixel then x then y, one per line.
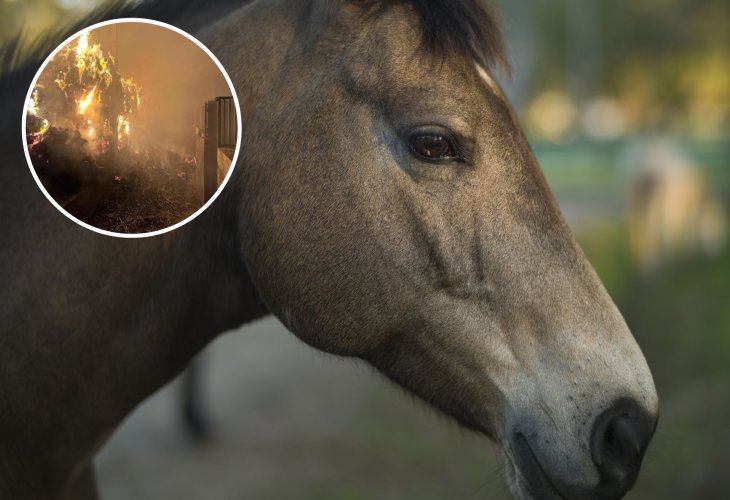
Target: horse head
pixel 392 210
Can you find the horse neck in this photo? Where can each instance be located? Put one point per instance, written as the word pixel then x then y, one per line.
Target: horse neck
pixel 215 290
pixel 252 44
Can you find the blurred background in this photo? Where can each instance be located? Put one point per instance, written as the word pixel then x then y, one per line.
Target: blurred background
pixel 627 105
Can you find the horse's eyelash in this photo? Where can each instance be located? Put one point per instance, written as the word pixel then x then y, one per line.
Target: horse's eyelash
pixel 461 152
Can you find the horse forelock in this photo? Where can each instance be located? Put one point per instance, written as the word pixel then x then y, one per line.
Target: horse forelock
pixel 467 27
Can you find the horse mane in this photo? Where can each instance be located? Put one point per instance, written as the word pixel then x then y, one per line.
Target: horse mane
pixel 468 27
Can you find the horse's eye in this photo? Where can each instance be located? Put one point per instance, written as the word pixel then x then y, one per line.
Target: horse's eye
pixel 432 146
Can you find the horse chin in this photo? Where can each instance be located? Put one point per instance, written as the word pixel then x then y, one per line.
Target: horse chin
pixel 518 469
pixel 522 490
pixel 515 482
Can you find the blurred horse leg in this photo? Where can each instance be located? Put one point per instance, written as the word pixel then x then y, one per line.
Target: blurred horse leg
pixel 194 415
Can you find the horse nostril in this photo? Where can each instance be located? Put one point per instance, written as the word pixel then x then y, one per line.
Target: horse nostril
pixel 618 441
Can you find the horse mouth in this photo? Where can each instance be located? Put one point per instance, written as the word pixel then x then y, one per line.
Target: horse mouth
pixel 532 474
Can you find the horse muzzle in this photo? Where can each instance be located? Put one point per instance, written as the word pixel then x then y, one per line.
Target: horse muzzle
pixel 616 446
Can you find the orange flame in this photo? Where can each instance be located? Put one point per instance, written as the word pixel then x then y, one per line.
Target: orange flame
pixel 83 43
pixel 31 104
pixel 86 101
pixel 86 92
pixel 122 127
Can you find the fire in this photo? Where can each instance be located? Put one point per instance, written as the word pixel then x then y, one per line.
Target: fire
pixel 90 57
pixel 40 124
pixel 83 44
pixel 31 105
pixel 122 128
pixel 93 100
pixel 45 125
pixel 81 48
pixel 85 102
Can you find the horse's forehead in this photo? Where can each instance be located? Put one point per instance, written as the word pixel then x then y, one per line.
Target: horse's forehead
pixel 387 54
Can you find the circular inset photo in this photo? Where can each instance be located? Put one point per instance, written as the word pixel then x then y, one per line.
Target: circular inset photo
pixel 132 127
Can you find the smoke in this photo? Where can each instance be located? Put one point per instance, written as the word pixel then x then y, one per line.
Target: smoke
pixel 175 75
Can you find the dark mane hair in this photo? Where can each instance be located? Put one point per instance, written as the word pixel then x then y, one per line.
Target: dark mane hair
pixel 469 27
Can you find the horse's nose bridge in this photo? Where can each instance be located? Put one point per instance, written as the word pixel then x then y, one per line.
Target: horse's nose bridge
pixel 569 334
pixel 556 290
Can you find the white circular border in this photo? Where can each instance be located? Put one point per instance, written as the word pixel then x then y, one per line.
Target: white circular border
pixel 238 124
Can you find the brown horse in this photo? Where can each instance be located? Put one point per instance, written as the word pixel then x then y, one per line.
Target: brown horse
pixel 386 206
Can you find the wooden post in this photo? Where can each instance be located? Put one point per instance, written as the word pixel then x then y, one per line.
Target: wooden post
pixel 206 151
